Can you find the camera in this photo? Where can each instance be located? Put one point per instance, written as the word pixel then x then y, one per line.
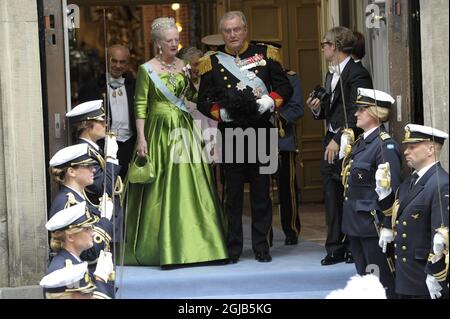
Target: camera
pixel 319 93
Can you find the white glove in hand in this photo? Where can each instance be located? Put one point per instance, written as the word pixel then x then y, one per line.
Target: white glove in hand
pixel 224 116
pixel 345 140
pixel 434 287
pixel 106 206
pixel 386 237
pixel 265 103
pixel 438 245
pixel 382 174
pixel 105 266
pixel 111 147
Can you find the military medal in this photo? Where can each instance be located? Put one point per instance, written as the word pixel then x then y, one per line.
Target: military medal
pixel 257 92
pixel 251 75
pixel 241 86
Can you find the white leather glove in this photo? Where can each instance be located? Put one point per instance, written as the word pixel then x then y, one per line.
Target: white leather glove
pixel 438 245
pixel 434 287
pixel 345 140
pixel 224 116
pixel 382 174
pixel 106 206
pixel 386 237
pixel 265 103
pixel 111 147
pixel 105 266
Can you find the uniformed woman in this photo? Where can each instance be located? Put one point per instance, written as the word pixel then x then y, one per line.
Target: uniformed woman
pixel 68 276
pixel 89 126
pixel 365 211
pixel 73 168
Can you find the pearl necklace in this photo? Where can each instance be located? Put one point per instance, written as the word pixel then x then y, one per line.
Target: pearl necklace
pixel 170 67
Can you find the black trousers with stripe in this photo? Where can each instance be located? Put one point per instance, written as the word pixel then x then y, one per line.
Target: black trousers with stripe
pixel 288 195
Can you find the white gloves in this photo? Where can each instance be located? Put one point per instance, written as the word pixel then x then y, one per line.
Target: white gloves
pixel 345 140
pixel 386 237
pixel 265 103
pixel 224 116
pixel 111 148
pixel 434 287
pixel 383 181
pixel 105 266
pixel 438 245
pixel 106 206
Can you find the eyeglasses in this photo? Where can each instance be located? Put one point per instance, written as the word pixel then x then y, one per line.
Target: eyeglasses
pixel 323 44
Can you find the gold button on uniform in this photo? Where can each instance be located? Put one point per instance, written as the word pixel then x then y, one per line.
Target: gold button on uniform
pixel 405 223
pixel 395 233
pixel 404 259
pixel 256 71
pixel 395 245
pixel 403 247
pixel 222 70
pixel 396 222
pixel 404 235
pixel 395 256
pixel 225 78
pixel 229 86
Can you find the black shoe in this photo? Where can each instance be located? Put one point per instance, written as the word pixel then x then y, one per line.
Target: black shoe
pixel 231 260
pixel 348 258
pixel 291 241
pixel 332 259
pixel 263 257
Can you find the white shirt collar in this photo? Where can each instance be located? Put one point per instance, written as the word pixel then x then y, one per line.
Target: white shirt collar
pixel 366 134
pixel 334 68
pixel 424 170
pixel 93 144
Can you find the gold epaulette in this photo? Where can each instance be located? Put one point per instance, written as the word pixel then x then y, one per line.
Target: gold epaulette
pixel 384 136
pixel 205 64
pixel 387 212
pixel 273 53
pixel 100 236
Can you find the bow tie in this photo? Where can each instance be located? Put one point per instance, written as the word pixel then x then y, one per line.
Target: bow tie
pixel 115 83
pixel 333 69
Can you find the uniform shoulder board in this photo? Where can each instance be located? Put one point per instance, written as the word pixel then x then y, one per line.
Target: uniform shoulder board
pixel 205 64
pixel 384 136
pixel 290 72
pixel 273 53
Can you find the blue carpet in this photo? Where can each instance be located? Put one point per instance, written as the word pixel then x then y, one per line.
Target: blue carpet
pixel 294 273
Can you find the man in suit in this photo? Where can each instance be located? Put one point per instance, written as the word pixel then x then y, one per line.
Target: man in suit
pixel 341 84
pixel 418 211
pixel 121 101
pixel 251 74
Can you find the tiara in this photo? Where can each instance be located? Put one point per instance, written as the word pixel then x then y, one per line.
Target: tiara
pixel 164 22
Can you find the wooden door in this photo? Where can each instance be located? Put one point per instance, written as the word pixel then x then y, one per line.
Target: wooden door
pixel 305 58
pixel 296 26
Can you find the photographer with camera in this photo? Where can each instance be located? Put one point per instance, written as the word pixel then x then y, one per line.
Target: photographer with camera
pixel 341 84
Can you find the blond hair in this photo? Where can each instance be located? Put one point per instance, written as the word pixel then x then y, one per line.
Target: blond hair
pixel 378 113
pixel 57 242
pixel 58 174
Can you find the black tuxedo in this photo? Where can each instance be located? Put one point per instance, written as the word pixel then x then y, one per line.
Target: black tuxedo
pixel 93 90
pixel 353 76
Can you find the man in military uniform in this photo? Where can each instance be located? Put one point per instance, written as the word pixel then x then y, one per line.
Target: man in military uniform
pixel 419 210
pixel 366 202
pixel 252 72
pixel 337 46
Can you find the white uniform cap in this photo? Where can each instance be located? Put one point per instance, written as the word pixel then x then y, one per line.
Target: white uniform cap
pixel 90 110
pixel 213 39
pixel 78 154
pixel 370 97
pixel 73 215
pixel 415 133
pixel 66 276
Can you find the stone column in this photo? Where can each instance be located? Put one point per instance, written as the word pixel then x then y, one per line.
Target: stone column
pixel 434 37
pixel 23 238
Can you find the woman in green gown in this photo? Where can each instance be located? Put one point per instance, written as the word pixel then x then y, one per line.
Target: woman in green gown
pixel 177 218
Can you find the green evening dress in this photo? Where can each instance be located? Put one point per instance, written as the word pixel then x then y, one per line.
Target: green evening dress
pixel 177 219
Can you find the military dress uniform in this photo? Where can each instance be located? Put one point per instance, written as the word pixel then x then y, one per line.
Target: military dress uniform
pixel 66 272
pixel 287 177
pixel 88 111
pixel 67 197
pixel 262 63
pixel 417 214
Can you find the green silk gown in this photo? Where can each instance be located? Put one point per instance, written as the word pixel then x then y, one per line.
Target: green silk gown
pixel 177 219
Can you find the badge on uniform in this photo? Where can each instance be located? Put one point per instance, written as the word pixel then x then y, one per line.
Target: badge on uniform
pixel 257 92
pixel 390 146
pixel 241 86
